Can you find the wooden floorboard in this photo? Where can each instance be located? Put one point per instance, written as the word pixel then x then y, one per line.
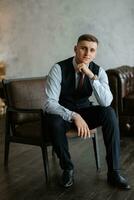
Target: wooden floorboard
pixel 25 179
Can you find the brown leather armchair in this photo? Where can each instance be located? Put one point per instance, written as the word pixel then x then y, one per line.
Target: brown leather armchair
pixel 121 82
pixel 25 122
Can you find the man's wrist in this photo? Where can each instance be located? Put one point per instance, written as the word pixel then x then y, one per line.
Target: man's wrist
pixel 74 115
pixel 94 77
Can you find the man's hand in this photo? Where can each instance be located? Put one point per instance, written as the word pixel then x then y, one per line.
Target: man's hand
pixel 84 69
pixel 82 127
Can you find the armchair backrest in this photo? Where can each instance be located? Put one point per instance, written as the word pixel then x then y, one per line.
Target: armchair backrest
pixel 26 93
pixel 121 81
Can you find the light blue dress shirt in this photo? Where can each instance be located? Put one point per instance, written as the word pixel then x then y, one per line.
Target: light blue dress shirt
pixel 100 88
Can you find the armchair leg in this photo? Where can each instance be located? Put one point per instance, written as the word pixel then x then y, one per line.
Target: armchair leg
pixel 96 151
pixel 6 153
pixel 45 162
pixel 53 152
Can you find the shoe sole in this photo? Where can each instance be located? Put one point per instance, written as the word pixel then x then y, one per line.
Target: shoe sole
pixel 117 186
pixel 69 185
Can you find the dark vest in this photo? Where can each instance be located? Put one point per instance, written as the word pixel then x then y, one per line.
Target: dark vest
pixel 69 96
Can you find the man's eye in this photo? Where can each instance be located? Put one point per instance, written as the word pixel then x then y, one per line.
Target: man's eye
pixel 92 50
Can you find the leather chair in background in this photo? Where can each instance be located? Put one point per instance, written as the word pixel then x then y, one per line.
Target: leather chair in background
pixel 24 117
pixel 121 81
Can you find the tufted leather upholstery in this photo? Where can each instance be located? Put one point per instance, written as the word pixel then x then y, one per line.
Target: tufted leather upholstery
pixel 121 82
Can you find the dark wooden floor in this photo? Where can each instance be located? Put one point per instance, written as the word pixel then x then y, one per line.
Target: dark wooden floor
pixel 25 178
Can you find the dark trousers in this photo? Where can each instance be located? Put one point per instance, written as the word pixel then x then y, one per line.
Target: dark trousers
pixel 94 116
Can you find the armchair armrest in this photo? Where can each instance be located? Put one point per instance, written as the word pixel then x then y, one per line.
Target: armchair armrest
pixel 24 110
pixel 20 115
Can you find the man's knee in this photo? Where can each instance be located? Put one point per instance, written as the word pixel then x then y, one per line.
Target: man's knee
pixel 110 110
pixel 109 113
pixel 54 121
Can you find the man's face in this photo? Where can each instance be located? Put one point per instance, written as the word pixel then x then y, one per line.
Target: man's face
pixel 85 51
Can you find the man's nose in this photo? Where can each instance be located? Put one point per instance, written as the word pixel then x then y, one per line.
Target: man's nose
pixel 87 52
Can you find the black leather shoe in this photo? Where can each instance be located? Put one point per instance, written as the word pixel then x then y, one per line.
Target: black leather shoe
pixel 68 178
pixel 116 180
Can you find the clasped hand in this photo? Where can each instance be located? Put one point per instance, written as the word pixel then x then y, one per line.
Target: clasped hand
pixel 82 67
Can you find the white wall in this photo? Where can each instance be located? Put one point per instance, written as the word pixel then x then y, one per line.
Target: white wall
pixel 34 34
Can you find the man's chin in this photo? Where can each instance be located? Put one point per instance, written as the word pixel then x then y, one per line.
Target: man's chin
pixel 86 62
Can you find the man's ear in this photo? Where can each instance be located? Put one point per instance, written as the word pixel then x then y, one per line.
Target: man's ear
pixel 95 55
pixel 75 48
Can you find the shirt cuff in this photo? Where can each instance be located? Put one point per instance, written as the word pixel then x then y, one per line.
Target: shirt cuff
pixel 72 115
